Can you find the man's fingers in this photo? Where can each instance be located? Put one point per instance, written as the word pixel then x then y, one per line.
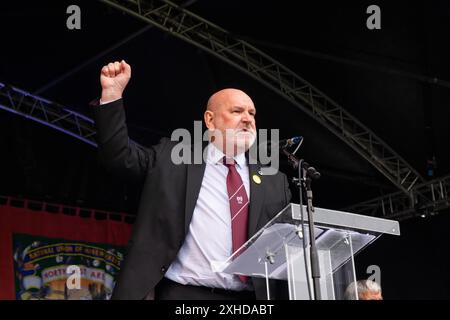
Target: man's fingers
pixel 105 71
pixel 125 68
pixel 116 67
pixel 111 70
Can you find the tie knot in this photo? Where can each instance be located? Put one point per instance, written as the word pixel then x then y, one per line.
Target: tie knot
pixel 229 162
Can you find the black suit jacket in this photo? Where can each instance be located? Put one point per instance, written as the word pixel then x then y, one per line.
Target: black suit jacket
pixel 168 198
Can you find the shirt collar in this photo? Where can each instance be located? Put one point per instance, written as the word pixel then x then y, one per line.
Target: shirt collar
pixel 215 156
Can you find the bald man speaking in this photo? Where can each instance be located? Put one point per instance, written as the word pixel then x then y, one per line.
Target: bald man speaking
pixel 190 216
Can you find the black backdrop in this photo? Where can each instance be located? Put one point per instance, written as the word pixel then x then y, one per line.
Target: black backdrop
pixel 380 76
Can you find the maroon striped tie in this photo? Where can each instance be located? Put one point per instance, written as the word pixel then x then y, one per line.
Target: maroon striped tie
pixel 238 207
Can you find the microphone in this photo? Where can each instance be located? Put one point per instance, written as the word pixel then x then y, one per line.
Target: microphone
pixel 286 143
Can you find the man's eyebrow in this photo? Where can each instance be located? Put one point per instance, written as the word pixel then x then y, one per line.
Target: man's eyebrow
pixel 243 107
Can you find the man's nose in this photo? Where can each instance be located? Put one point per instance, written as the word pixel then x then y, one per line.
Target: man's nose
pixel 246 117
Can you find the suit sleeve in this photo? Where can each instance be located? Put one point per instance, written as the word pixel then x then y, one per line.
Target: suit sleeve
pixel 116 152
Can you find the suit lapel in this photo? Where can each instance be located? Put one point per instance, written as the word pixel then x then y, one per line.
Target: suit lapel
pixel 256 199
pixel 194 177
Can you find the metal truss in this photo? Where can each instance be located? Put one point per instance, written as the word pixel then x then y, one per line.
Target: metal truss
pixel 189 27
pixel 424 199
pixel 48 113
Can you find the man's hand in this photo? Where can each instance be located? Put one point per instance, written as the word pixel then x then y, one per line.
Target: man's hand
pixel 114 78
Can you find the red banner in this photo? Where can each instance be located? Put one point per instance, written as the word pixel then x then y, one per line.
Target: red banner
pixel 15 220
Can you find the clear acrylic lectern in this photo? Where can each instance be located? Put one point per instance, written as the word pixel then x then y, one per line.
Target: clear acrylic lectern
pixel 280 250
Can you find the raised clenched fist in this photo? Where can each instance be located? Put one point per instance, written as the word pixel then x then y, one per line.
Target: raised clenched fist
pixel 114 78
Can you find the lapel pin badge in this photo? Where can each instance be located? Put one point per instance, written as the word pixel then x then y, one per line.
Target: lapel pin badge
pixel 256 179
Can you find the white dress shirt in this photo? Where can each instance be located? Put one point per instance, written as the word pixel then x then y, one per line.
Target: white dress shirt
pixel 209 239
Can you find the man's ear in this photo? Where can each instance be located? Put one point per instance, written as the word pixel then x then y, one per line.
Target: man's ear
pixel 208 116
